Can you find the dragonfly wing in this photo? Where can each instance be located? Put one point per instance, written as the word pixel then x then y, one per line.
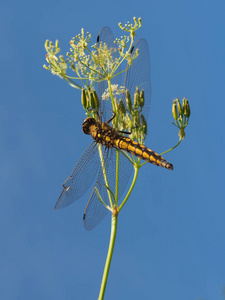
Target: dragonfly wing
pixel 80 178
pixel 95 211
pixel 106 36
pixel 139 74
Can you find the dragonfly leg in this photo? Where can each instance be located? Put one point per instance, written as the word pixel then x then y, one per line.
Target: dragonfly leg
pixel 96 111
pixel 125 132
pixel 113 116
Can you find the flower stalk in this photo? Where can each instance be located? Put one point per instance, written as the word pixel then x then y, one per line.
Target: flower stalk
pixel 109 255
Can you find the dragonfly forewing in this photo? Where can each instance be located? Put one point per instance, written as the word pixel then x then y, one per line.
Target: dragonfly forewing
pixel 139 75
pixel 106 36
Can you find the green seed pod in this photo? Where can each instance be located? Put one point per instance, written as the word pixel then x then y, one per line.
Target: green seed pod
pixel 188 110
pixel 180 109
pixel 136 119
pixel 128 101
pixel 122 109
pixel 83 98
pixel 92 100
pixel 88 105
pixel 128 122
pixel 174 110
pixel 96 99
pixel 137 90
pixel 136 97
pixel 144 124
pixel 142 99
pixel 186 106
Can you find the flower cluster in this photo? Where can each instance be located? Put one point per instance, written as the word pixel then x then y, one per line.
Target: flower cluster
pixel 116 90
pixel 91 65
pixel 181 115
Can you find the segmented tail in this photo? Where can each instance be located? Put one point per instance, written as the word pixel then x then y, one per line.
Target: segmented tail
pixel 141 151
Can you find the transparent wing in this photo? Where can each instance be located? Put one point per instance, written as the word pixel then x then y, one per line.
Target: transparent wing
pixel 106 36
pixel 139 74
pixel 80 178
pixel 95 211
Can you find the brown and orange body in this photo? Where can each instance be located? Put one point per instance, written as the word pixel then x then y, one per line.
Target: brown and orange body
pixel 104 134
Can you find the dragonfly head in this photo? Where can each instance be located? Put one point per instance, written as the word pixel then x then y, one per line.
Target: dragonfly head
pixel 88 122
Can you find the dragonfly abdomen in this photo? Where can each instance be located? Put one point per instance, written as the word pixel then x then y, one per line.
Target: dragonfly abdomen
pixel 104 134
pixel 141 151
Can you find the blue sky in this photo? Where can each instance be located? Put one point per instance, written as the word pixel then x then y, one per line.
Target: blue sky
pixel 170 242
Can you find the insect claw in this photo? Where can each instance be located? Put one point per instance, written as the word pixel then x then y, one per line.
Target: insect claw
pixel 113 116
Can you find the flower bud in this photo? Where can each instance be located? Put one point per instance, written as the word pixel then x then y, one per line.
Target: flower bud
pixel 139 21
pixel 47 68
pixel 174 110
pixel 46 44
pixel 62 58
pixel 83 98
pixel 120 26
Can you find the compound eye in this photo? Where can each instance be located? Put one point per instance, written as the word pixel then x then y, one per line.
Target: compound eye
pixel 86 127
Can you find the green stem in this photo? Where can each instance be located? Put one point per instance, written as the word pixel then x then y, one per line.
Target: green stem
pixel 105 174
pixel 109 256
pixel 117 176
pixel 171 148
pixel 72 83
pixel 97 62
pixel 111 94
pixel 125 56
pixel 136 169
pixel 114 75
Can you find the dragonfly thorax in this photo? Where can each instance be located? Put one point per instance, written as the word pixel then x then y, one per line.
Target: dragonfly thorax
pixel 87 124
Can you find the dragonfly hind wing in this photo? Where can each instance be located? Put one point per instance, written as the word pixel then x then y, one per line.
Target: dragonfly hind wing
pixel 80 178
pixel 96 211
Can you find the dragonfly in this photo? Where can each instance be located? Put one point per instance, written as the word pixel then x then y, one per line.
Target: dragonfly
pixel 89 165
